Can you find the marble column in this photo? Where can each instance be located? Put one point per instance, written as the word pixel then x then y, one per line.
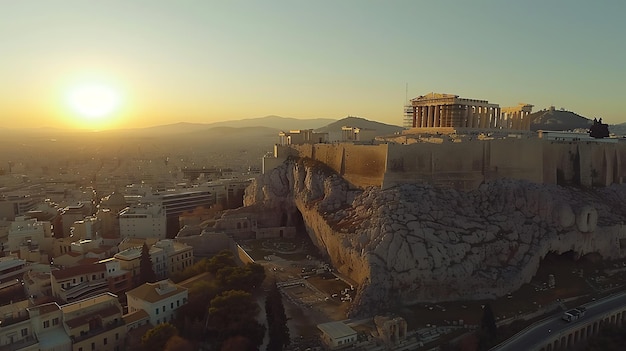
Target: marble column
pixel 437 116
pixel 499 118
pixel 414 116
pixel 431 116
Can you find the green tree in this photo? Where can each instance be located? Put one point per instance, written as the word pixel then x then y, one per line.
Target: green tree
pixel 257 274
pixel 233 313
pixel 146 271
pixel 156 338
pixel 276 320
pixel 488 329
pixel 224 258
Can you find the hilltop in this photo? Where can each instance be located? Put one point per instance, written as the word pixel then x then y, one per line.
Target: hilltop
pixel 381 128
pixel 552 119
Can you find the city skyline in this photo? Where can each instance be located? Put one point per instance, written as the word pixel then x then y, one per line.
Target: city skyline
pixel 87 65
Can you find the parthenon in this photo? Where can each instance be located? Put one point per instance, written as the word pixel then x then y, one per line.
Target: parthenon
pixel 436 110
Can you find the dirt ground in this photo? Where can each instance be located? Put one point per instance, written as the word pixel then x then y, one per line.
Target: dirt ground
pixel 312 293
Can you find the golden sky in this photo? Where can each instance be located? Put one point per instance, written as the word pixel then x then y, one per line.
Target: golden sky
pixel 160 62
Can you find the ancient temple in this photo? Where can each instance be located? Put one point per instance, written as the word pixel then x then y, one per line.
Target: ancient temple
pixel 436 110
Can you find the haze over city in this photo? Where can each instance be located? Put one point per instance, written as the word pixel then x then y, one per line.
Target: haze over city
pixel 117 64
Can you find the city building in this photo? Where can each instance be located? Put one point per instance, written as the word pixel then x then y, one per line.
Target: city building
pixel 75 283
pixel 160 300
pixel 95 323
pixel 16 332
pixel 143 221
pixel 79 282
pixel 24 229
pixel 87 228
pixel 13 205
pixel 71 214
pixel 179 255
pixel 12 267
pixel 337 335
pixel 47 327
pixel 130 260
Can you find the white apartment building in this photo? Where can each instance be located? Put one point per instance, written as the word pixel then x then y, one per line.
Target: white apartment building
pixel 87 228
pixel 160 300
pixel 13 205
pixel 143 221
pixel 24 229
pixel 47 324
pixel 129 260
pixel 95 323
pixel 15 328
pixel 178 255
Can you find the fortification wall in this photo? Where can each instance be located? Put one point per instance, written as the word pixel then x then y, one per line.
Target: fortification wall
pixel 360 165
pixel 515 159
pixel 559 162
pixel 468 164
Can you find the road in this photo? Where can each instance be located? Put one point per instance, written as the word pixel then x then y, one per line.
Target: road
pixel 537 334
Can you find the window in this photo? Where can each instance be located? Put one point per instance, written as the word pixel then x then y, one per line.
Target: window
pixel 172 305
pixel 93 345
pixel 104 341
pixel 177 303
pixel 157 310
pixel 46 324
pixel 55 321
pixel 163 308
pixel 24 331
pixel 117 336
pixel 80 349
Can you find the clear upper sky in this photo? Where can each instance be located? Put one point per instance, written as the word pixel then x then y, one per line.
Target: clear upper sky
pixel 206 61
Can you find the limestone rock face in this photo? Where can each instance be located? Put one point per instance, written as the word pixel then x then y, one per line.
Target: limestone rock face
pixel 415 243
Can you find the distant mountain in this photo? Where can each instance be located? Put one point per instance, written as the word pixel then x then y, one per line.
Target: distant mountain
pixel 271 122
pixel 618 129
pixel 552 119
pixel 276 122
pixel 381 128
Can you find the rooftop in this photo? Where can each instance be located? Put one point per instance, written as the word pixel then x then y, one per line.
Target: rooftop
pixel 106 311
pixel 154 292
pixel 336 330
pixel 136 316
pixel 79 270
pixel 92 301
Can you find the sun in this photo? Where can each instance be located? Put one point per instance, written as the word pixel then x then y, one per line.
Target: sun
pixel 93 101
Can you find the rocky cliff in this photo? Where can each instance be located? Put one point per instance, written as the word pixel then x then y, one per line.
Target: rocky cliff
pixel 416 243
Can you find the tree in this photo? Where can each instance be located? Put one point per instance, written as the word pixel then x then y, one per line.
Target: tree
pixel 146 272
pixel 176 343
pixel 224 258
pixel 488 329
pixel 234 313
pixel 156 338
pixel 276 320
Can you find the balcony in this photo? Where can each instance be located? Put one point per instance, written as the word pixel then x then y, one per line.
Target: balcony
pixel 85 289
pixel 95 331
pixel 27 342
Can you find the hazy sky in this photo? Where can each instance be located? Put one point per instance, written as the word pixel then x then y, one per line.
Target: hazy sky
pixel 206 61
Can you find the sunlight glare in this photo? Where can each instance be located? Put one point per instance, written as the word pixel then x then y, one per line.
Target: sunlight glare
pixel 93 101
